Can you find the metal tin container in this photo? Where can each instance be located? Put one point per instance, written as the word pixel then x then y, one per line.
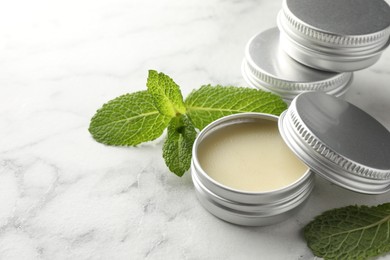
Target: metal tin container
pixel 241 207
pixel 266 66
pixel 339 141
pixel 334 138
pixel 331 35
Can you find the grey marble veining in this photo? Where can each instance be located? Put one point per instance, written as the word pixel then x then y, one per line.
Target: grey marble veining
pixel 64 196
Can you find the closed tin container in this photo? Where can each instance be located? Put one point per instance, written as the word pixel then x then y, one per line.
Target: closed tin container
pixel 334 138
pixel 335 35
pixel 267 67
pixel 338 141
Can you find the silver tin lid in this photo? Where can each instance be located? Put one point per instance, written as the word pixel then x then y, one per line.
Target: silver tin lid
pixel 266 66
pixel 335 35
pixel 339 141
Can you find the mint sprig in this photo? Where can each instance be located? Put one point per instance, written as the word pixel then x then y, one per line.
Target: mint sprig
pixel 352 232
pixel 142 116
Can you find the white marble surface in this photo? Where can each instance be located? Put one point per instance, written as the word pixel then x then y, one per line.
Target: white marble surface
pixel 64 196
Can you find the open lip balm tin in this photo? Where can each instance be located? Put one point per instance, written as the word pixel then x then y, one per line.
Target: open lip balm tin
pixel 337 35
pixel 267 67
pixel 334 138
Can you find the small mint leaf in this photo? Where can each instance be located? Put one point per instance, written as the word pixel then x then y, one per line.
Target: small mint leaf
pixel 128 120
pixel 166 94
pixel 209 103
pixel 177 149
pixel 352 232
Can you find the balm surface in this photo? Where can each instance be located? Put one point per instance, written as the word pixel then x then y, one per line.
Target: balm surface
pixel 249 156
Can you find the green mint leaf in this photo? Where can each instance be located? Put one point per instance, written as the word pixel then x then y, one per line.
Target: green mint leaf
pixel 177 149
pixel 210 103
pixel 353 232
pixel 128 120
pixel 166 94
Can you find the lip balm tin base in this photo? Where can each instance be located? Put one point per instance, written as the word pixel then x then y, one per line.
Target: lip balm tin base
pixel 247 217
pixel 335 139
pixel 241 207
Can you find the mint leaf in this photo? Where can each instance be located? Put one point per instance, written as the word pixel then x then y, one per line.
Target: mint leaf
pixel 177 149
pixel 353 232
pixel 142 116
pixel 210 103
pixel 166 94
pixel 128 120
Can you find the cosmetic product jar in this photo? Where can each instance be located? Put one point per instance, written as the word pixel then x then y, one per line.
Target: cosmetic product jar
pixel 267 67
pixel 335 35
pixel 338 141
pixel 334 138
pixel 242 207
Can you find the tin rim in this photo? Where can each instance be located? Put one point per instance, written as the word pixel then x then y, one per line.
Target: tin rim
pixel 246 218
pixel 295 26
pixel 260 72
pixel 344 53
pixel 226 191
pixel 278 206
pixel 340 83
pixel 340 62
pixel 325 162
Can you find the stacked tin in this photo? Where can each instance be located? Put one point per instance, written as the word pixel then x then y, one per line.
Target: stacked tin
pixel 317 46
pixel 309 61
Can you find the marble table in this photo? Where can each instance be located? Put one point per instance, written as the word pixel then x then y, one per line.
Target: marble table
pixel 65 196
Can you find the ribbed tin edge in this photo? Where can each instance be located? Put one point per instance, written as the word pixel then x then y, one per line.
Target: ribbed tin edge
pixel 275 83
pixel 326 38
pixel 314 49
pixel 257 78
pixel 325 161
pixel 337 61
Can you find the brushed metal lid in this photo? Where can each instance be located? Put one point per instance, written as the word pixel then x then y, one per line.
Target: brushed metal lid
pixel 339 141
pixel 341 17
pixel 335 35
pixel 268 67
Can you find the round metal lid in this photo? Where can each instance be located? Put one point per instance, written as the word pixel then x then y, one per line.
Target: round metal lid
pixel 344 17
pixel 340 22
pixel 339 141
pixel 266 65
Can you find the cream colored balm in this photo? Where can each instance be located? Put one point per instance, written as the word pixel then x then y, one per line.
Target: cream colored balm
pixel 250 157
